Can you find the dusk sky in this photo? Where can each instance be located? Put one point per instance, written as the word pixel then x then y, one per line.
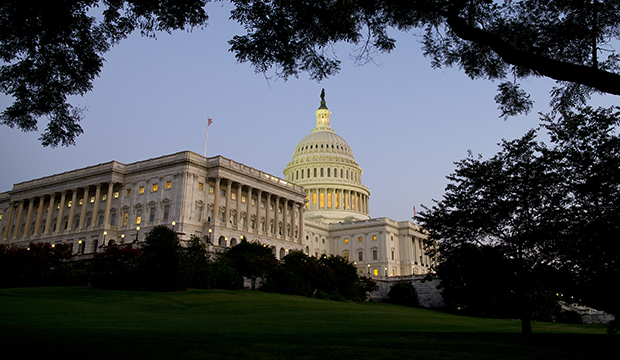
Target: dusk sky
pixel 406 123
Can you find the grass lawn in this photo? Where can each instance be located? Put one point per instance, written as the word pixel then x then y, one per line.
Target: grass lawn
pixel 84 323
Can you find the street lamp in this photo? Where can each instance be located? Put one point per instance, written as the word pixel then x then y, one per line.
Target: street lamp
pixel 137 232
pixel 368 269
pixel 209 236
pixel 104 234
pixel 122 239
pixel 173 223
pixel 385 272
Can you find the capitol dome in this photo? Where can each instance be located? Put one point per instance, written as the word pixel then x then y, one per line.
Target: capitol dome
pixel 323 163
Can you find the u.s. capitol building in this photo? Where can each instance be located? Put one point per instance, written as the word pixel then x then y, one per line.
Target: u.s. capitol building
pixel 320 207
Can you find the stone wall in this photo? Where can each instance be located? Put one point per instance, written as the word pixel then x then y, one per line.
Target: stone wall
pixel 428 294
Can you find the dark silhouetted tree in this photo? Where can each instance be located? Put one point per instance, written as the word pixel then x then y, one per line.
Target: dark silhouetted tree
pixel 252 260
pixel 403 293
pixel 162 254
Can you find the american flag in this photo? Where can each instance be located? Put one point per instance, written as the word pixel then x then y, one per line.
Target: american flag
pixel 209 121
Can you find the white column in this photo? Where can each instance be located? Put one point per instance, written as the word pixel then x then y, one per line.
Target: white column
pixel 18 219
pixel 239 194
pixel 48 220
pixel 61 211
pixel 37 222
pixel 108 203
pixel 216 200
pixel 275 215
pixel 28 216
pixel 72 210
pixel 93 222
pixel 7 222
pixel 227 213
pixel 83 209
pixel 248 204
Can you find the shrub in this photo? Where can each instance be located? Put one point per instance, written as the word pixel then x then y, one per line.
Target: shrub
pixel 403 293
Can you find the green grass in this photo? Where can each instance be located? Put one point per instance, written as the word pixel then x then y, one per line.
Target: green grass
pixel 84 323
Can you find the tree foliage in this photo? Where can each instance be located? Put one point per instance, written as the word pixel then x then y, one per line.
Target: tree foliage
pixel 38 264
pixel 403 293
pixel 54 49
pixel 162 255
pixel 550 211
pixel 251 259
pixel 568 41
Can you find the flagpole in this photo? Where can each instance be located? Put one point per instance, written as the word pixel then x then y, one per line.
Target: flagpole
pixel 206 136
pixel 209 122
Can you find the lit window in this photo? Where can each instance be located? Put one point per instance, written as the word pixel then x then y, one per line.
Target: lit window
pixel 211 190
pixel 280 209
pixel 243 199
pixel 359 238
pixel 138 217
pixel 128 192
pixel 81 202
pixel 201 186
pixel 168 184
pixel 141 190
pixel 125 218
pixel 70 203
pixel 104 197
pixel 116 194
pixel 346 256
pixel 374 237
pixel 375 272
pixel 314 198
pixel 346 241
pixel 233 196
pixel 58 206
pixel 154 187
pixel 262 204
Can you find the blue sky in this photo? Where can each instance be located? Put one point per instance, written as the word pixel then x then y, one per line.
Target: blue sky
pixel 406 122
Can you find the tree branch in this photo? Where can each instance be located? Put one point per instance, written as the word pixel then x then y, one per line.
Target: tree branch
pixel 589 76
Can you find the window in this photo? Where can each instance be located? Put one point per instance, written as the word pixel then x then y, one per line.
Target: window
pixel 233 196
pixel 69 203
pixel 314 198
pixel 222 193
pixel 243 223
pixel 308 173
pixel 211 190
pixel 128 192
pixel 322 172
pixel 154 187
pixel 152 214
pixel 346 241
pixel 315 172
pixel 392 254
pixel 125 218
pixel 58 206
pixel 166 211
pixel 221 216
pixel 346 256
pixel 329 200
pixel 374 254
pixel 198 212
pixel 253 224
pixel 116 194
pixel 360 256
pixel 81 202
pixel 141 190
pixel 113 219
pixel 262 204
pixel 374 237
pixel 104 197
pixel 329 172
pixel 243 199
pixel 253 202
pixel 168 184
pixel 375 272
pixel 89 221
pixel 359 238
pixel 201 186
pixel 138 217
pixel 270 206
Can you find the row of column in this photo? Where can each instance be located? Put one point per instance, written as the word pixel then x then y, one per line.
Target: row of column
pixel 260 194
pixel 346 200
pixel 51 208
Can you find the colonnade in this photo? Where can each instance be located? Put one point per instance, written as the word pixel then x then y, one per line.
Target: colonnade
pixel 338 199
pixel 222 209
pixel 57 203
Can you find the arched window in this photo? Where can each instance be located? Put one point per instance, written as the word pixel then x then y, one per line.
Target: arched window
pixel 314 172
pixel 282 253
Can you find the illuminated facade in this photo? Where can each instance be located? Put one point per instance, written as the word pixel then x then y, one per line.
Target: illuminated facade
pixel 321 207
